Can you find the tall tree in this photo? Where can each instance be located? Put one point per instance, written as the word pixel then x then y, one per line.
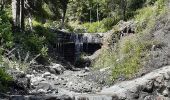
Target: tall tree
pixel 18 14
pixel 121 6
pixel 64 4
pixel 2 3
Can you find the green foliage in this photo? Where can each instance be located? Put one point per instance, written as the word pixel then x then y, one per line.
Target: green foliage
pixel 35 44
pixel 5 79
pixel 126 58
pixel 102 26
pixel 6 36
pixel 106 59
pixel 82 10
pixel 147 16
pixel 94 27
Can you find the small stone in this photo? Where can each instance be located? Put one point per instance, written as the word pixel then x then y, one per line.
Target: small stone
pixel 42 91
pixel 59 69
pixel 149 98
pixel 46 74
pixel 159 82
pixel 167 84
pixel 165 93
pixel 29 76
pixel 87 69
pixel 148 87
pixel 166 76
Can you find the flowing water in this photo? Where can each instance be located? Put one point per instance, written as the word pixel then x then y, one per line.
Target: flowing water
pixel 71 45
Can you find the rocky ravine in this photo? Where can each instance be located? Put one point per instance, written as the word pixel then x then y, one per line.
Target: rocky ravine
pixel 152 86
pixel 68 86
pixel 54 83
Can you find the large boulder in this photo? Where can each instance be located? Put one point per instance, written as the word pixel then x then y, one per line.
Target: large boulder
pixel 152 86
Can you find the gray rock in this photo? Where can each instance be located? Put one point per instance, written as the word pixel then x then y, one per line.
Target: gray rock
pixel 46 74
pixel 56 68
pixel 17 98
pixel 159 81
pixel 150 97
pixel 44 86
pixel 165 93
pixel 148 87
pixel 167 76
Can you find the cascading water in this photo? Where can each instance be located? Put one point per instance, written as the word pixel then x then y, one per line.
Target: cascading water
pixel 78 40
pixel 71 45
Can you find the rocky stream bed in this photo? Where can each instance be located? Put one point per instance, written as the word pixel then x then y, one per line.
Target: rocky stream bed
pixel 76 85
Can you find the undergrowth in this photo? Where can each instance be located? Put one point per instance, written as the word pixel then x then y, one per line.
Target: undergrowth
pixel 125 59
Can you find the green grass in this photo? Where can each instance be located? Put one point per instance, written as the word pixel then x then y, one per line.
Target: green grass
pixel 126 59
pixel 102 26
pixel 147 16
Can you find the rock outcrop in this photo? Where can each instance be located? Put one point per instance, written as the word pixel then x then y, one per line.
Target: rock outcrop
pixel 152 86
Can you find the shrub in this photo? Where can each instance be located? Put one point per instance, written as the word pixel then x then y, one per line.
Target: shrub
pixel 106 59
pixel 146 17
pixel 35 44
pixel 5 79
pixel 6 36
pixel 102 26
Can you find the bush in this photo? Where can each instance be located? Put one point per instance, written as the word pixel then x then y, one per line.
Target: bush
pixel 106 59
pixel 6 37
pixel 35 44
pixel 5 79
pixel 103 26
pixel 147 16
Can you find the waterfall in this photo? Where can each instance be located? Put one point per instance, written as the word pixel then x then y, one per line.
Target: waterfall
pixel 78 45
pixel 71 45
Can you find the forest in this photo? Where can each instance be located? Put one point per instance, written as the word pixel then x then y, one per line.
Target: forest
pixel 84 49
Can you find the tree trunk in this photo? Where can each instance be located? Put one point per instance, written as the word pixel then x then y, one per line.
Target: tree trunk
pixel 22 15
pixel 2 4
pixel 30 21
pixel 14 12
pixel 98 13
pixel 64 8
pixel 123 9
pixel 63 17
pixel 18 14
